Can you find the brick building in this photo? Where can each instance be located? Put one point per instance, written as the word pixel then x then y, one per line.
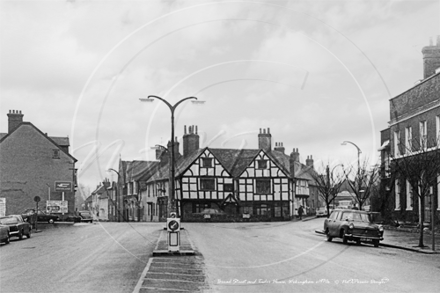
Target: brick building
pixel 31 164
pixel 414 127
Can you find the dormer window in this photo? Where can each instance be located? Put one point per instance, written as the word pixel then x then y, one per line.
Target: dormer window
pixel 262 164
pixel 207 162
pixel 55 154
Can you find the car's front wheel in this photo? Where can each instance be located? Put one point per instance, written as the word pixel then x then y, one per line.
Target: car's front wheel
pixel 344 238
pixel 28 235
pixel 20 234
pixel 50 221
pixel 7 239
pixel 329 238
pixel 376 243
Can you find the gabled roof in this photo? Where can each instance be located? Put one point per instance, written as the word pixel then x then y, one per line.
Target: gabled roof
pixel 235 162
pixel 59 139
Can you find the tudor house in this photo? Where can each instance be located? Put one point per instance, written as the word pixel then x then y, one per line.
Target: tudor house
pixel 31 164
pixel 414 124
pixel 255 182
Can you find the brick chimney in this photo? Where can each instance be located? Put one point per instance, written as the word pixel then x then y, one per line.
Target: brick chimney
pixel 294 157
pixel 309 161
pixel 279 147
pixel 431 58
pixel 15 118
pixel 176 148
pixel 191 141
pixel 265 140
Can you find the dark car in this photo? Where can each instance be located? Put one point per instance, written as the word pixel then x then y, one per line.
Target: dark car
pixel 73 218
pixel 41 216
pixel 353 225
pixel 17 226
pixel 4 233
pixel 86 216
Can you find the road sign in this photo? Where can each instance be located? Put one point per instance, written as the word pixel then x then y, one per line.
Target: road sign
pixel 37 198
pixel 63 186
pixel 173 227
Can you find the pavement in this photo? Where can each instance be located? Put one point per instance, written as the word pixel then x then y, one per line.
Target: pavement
pixel 405 238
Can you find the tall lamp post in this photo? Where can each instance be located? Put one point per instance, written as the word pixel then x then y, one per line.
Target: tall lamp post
pixel 171 203
pixel 117 197
pixel 358 149
pixel 359 162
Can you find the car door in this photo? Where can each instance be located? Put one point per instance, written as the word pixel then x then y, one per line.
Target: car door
pixel 332 222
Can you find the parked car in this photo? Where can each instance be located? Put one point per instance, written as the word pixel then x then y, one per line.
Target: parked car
pixel 73 218
pixel 4 233
pixel 17 226
pixel 86 216
pixel 41 216
pixel 353 225
pixel 322 212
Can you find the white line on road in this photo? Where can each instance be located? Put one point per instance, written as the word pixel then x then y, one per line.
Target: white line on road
pixel 141 279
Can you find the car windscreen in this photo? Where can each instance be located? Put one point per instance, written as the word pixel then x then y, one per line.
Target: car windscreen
pixel 6 221
pixel 357 217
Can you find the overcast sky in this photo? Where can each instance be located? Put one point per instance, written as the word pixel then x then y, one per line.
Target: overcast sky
pixel 315 72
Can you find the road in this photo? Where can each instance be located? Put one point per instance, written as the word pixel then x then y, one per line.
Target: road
pixel 291 257
pixel 107 257
pixel 237 257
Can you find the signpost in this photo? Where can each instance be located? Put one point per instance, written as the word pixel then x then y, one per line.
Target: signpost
pixel 63 186
pixel 37 200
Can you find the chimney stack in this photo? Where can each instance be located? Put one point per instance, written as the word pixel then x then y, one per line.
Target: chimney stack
pixel 176 148
pixel 265 140
pixel 279 147
pixel 431 58
pixel 294 157
pixel 191 141
pixel 15 118
pixel 309 161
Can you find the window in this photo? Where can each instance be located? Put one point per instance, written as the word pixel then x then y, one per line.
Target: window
pixel 263 210
pixel 262 164
pixel 437 127
pixel 396 143
pixel 423 131
pixel 199 207
pixel 207 184
pixel 397 195
pixel 228 187
pixel 438 192
pixel 206 162
pixel 55 154
pixel 408 140
pixel 409 192
pixel 262 186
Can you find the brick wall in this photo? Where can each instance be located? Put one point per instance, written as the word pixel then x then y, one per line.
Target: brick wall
pixel 27 169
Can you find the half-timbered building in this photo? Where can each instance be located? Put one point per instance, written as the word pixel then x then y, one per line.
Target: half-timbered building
pixel 253 182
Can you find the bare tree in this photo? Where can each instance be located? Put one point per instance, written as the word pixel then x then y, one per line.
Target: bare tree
pixel 364 181
pixel 328 185
pixel 420 166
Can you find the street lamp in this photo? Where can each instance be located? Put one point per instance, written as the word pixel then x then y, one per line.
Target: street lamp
pixel 171 205
pixel 359 152
pixel 117 191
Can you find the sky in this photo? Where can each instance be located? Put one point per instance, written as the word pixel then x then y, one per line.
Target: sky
pixel 316 73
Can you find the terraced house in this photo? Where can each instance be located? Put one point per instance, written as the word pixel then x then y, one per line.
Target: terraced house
pixel 254 182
